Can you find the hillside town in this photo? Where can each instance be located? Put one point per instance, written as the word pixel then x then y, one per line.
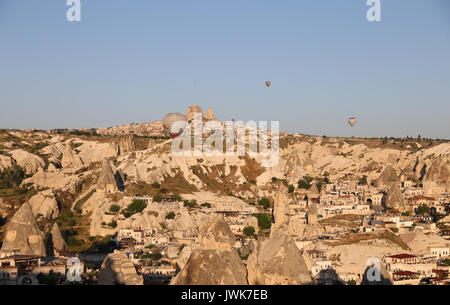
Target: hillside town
pixel 110 206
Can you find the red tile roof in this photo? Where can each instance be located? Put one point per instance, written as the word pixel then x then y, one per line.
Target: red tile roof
pixel 439 271
pixel 421 197
pixel 405 273
pixel 402 256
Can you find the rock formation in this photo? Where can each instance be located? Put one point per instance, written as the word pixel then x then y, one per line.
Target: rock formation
pixel 277 261
pixel 209 115
pixel 183 257
pixel 313 192
pixel 192 110
pixel 117 269
pixel 312 214
pixel 214 261
pixel 419 168
pixel 5 162
pixel 145 129
pixel 58 243
pixel 23 234
pixel 127 144
pixel 438 175
pixel 280 208
pixel 107 180
pixel 395 199
pixel 31 163
pixel 44 203
pixel 70 159
pixel 387 178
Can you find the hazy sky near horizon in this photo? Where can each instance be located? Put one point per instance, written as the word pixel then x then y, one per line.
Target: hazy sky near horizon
pixel 133 61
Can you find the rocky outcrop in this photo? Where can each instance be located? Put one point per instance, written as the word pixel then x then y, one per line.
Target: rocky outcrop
pixel 183 257
pixel 145 129
pixel 209 115
pixel 313 192
pixel 312 214
pixel 395 199
pixel 192 110
pixel 45 204
pixel 5 162
pixel 70 159
pixel 421 243
pixel 117 269
pixel 387 178
pixel 419 168
pixel 107 180
pixel 127 145
pixel 214 261
pixel 30 162
pixel 58 243
pixel 280 209
pixel 438 175
pixel 23 234
pixel 277 261
pixel 215 234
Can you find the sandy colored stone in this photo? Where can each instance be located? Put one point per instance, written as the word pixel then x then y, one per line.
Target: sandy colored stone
pixel 214 261
pixel 45 204
pixel 58 243
pixel 127 144
pixel 117 269
pixel 5 162
pixel 107 181
pixel 387 178
pixel 70 159
pixel 23 234
pixel 395 199
pixel 277 261
pixel 30 162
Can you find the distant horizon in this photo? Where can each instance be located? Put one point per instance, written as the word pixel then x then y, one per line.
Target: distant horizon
pixel 283 131
pixel 134 62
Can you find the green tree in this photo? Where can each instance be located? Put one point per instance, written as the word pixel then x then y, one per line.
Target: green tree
pixel 137 206
pixel 264 221
pixel 363 180
pixel 265 202
pixel 170 215
pixel 249 231
pixel 176 197
pixel 12 177
pixel 191 203
pixel 305 183
pixel 291 188
pixel 114 208
pixel 423 209
pixel 157 198
pixel 156 185
pixel 49 279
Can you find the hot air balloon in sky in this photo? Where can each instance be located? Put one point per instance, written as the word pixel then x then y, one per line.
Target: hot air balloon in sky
pixel 352 121
pixel 268 83
pixel 174 124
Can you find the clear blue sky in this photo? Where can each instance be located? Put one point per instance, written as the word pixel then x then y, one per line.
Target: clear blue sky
pixel 133 61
